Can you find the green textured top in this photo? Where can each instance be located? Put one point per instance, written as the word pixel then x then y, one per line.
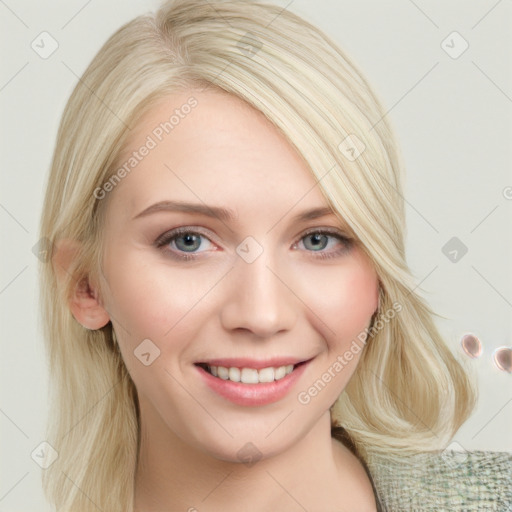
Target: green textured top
pixel 440 481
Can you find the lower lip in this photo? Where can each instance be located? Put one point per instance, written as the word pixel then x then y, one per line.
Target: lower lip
pixel 253 394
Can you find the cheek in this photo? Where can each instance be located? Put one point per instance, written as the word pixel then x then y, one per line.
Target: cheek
pixel 343 309
pixel 344 300
pixel 154 309
pixel 342 304
pixel 148 300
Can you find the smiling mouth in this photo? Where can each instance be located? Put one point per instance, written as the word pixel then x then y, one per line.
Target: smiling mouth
pixel 250 375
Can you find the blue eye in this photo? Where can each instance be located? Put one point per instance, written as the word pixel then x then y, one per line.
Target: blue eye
pixel 190 241
pixel 319 239
pixel 184 240
pixel 183 243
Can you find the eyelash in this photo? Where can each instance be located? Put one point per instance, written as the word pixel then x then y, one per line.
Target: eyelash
pixel 169 236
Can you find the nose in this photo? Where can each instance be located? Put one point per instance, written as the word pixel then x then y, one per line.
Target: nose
pixel 260 299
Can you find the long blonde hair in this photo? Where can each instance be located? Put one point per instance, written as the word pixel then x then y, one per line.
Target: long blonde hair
pixel 408 393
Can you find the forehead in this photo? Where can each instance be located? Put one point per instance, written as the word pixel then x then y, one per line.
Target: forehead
pixel 213 147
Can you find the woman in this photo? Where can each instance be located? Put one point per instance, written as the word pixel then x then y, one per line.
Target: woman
pixel 230 319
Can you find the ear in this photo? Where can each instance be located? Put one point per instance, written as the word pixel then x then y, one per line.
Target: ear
pixel 84 300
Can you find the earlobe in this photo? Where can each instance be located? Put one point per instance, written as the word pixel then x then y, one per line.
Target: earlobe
pixel 84 300
pixel 86 308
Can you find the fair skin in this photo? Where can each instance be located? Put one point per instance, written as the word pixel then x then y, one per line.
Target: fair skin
pixel 288 302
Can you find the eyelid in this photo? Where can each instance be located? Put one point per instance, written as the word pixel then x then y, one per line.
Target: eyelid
pixel 197 229
pixel 165 238
pixel 330 231
pixel 172 233
pixel 327 229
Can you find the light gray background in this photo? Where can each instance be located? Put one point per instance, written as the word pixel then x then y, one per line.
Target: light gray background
pixel 453 118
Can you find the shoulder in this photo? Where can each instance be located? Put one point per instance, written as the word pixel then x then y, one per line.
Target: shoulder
pixel 447 480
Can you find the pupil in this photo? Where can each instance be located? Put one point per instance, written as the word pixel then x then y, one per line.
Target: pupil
pixel 317 240
pixel 189 241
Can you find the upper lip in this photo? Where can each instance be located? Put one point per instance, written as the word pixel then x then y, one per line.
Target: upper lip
pixel 258 364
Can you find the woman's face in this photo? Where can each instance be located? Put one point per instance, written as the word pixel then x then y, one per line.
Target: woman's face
pixel 249 281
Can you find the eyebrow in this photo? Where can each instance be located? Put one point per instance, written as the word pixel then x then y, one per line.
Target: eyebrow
pixel 223 214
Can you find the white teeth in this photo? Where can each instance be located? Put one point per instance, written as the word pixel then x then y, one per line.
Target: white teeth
pixel 234 374
pixel 280 372
pixel 251 375
pixel 266 375
pixel 222 372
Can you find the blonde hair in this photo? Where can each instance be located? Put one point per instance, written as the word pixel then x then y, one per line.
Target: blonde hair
pixel 408 392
